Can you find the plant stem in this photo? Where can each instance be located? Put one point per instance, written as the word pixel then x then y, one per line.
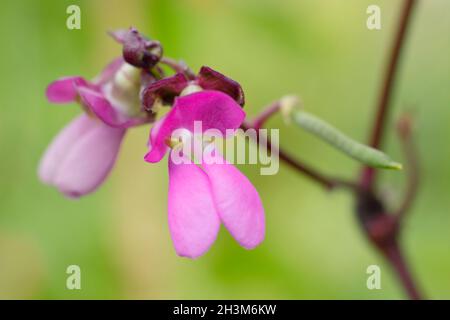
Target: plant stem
pixel 259 121
pixel 323 180
pixel 395 257
pixel 177 66
pixel 412 165
pixel 266 114
pixel 384 99
pixel 392 251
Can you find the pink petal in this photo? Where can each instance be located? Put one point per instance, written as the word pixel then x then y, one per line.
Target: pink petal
pixel 213 108
pixel 98 104
pixel 193 220
pixel 61 145
pixel 158 151
pixel 88 161
pixel 63 90
pixel 238 203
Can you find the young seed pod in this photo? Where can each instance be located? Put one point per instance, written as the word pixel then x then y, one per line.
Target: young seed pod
pixel 362 153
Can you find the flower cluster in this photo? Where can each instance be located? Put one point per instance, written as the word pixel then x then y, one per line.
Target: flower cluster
pixel 131 91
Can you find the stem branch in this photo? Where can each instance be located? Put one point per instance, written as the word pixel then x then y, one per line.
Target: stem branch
pixel 395 257
pixel 323 180
pixel 266 114
pixel 177 66
pixel 412 165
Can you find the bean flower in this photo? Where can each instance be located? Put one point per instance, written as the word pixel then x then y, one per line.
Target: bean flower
pixel 81 156
pixel 202 197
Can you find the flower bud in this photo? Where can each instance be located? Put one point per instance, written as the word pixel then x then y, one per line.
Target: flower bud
pixel 137 49
pixel 210 79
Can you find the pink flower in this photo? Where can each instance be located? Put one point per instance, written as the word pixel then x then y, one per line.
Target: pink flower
pixel 80 158
pixel 201 198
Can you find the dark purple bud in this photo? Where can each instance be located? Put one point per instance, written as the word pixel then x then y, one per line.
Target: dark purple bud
pixel 138 50
pixel 165 90
pixel 210 79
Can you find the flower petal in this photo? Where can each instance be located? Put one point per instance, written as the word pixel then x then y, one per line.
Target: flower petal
pixel 63 90
pixel 98 104
pixel 213 109
pixel 89 160
pixel 61 145
pixel 238 203
pixel 193 219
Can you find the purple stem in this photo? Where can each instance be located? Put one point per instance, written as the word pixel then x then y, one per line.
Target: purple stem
pixel 368 175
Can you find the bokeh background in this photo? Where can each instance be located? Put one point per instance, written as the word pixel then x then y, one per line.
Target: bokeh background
pixel 119 237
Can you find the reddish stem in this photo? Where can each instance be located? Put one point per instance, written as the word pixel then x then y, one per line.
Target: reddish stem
pixel 368 174
pixel 325 181
pixel 392 251
pixel 179 67
pixel 395 257
pixel 404 129
pixel 266 114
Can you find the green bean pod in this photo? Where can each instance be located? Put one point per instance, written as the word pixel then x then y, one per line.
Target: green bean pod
pixel 362 153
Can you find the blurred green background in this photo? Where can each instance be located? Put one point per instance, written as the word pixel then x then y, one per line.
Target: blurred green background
pixel 119 236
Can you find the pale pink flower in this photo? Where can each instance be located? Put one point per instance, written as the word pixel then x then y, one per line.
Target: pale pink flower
pixel 81 156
